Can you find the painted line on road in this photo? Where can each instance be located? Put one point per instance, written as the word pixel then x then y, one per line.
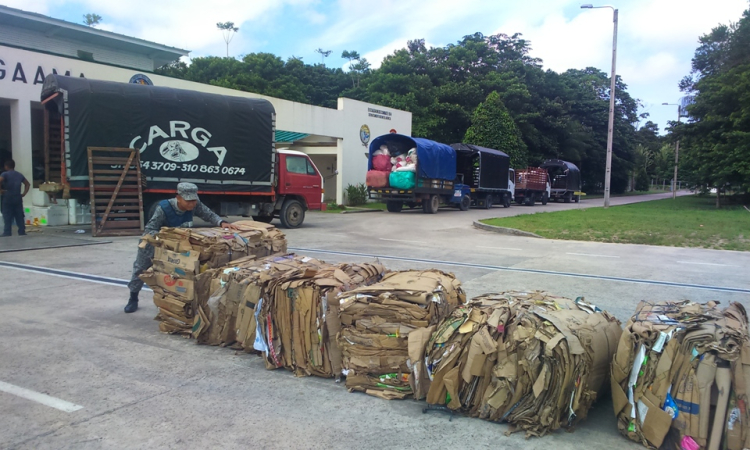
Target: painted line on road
pixel 592 254
pixel 403 240
pixel 534 271
pixel 38 397
pixel 68 274
pixel 704 263
pixel 500 248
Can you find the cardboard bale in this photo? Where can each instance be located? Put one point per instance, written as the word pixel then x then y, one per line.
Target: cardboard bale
pixel 531 359
pixel 681 376
pixel 381 323
pixel 185 264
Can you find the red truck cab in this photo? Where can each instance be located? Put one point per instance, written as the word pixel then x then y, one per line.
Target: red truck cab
pixel 300 185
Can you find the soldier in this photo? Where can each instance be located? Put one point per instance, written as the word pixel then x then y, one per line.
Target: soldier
pixel 175 212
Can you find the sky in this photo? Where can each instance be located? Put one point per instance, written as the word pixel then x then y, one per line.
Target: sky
pixel 655 42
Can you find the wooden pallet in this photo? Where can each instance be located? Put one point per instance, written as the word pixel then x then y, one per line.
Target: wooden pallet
pixel 116 191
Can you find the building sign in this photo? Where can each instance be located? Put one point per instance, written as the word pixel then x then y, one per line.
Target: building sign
pixel 17 73
pixel 379 113
pixel 140 78
pixel 364 134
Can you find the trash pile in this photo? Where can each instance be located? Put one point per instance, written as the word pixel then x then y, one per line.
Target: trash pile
pixel 379 323
pixel 182 254
pixel 531 359
pixel 390 168
pixel 681 376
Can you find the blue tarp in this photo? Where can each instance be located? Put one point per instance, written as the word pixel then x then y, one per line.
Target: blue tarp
pixel 434 160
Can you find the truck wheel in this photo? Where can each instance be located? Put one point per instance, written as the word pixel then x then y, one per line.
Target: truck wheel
pixel 506 201
pixel 431 205
pixel 264 219
pixel 577 198
pixel 519 200
pixel 488 202
pixel 545 199
pixel 394 206
pixel 292 214
pixel 530 200
pixel 568 197
pixel 465 203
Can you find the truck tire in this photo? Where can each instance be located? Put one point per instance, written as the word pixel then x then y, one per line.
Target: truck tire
pixel 519 200
pixel 530 200
pixel 394 206
pixel 545 199
pixel 465 203
pixel 488 202
pixel 577 198
pixel 431 205
pixel 292 214
pixel 507 201
pixel 264 219
pixel 568 197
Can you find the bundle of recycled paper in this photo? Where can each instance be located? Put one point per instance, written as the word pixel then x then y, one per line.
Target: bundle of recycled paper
pixel 681 376
pixel 280 306
pixel 182 254
pixel 379 322
pixel 531 359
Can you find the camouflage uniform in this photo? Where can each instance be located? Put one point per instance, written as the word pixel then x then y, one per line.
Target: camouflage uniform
pixel 146 254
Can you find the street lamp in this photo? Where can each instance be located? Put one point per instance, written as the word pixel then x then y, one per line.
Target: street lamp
pixel 610 129
pixel 676 149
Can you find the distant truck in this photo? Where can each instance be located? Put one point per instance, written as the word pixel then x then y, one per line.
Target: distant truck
pixel 488 174
pixel 532 185
pixel 223 144
pixel 565 178
pixel 435 181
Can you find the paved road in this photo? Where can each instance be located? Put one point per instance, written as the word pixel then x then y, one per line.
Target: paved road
pixel 68 338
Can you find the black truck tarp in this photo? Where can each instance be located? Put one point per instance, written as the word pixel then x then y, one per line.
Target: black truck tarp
pixel 221 143
pixel 565 175
pixel 483 168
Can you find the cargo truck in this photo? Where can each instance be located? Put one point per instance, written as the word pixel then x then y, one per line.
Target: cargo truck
pixel 434 181
pixel 532 185
pixel 565 179
pixel 223 144
pixel 488 174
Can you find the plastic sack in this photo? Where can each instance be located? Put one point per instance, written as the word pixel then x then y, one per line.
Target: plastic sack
pixel 406 168
pixel 402 180
pixel 381 163
pixel 377 179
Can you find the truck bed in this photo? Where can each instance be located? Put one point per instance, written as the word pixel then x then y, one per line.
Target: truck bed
pixel 532 178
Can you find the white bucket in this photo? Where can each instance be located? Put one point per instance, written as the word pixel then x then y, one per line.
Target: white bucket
pixel 73 211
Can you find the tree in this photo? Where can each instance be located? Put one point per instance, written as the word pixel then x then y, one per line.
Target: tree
pixel 228 30
pixel 323 55
pixel 493 127
pixel 91 20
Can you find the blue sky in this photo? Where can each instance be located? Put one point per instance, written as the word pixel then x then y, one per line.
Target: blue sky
pixel 656 38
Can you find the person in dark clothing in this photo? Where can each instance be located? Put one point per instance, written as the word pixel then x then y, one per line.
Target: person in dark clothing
pixel 175 212
pixel 12 198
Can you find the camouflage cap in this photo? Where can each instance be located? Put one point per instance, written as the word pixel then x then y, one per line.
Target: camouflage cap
pixel 188 191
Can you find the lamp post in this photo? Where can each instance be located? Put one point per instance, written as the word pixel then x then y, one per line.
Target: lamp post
pixel 676 149
pixel 610 129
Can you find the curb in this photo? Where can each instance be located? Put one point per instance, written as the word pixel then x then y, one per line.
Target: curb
pixel 503 230
pixel 357 211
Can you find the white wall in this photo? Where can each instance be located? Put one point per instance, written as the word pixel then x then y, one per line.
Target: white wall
pixel 25 38
pixel 342 124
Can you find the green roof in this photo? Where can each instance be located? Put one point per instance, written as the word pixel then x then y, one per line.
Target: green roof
pixel 289 136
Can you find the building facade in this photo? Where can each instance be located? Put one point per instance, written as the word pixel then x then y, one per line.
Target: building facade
pixel 33 46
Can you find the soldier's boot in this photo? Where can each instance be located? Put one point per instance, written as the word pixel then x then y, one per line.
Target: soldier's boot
pixel 132 305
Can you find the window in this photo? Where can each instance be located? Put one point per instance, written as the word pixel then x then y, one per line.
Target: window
pixel 310 168
pixel 296 164
pixel 86 56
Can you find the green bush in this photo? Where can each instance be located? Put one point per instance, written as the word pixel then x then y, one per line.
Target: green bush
pixel 356 194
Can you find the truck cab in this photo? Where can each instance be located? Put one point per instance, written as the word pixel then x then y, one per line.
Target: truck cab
pixel 299 178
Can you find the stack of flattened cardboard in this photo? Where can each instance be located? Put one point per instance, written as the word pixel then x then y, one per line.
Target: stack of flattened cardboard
pixel 681 376
pixel 300 316
pixel 378 322
pixel 532 359
pixel 182 254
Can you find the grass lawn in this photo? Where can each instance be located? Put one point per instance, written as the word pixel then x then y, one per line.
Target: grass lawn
pixel 337 209
pixel 625 194
pixel 688 221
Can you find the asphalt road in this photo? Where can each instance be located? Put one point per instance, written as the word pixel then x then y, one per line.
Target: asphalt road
pixel 111 380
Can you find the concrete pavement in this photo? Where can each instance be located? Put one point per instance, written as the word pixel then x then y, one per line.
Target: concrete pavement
pixel 69 339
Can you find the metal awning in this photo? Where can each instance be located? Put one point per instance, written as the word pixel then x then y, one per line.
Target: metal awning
pixel 289 137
